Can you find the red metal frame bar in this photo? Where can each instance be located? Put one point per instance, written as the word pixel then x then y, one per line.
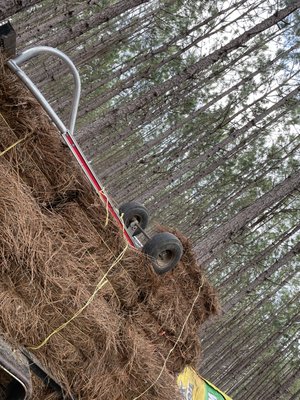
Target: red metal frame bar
pixel 88 171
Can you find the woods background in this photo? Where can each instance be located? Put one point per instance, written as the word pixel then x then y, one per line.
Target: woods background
pixel 191 107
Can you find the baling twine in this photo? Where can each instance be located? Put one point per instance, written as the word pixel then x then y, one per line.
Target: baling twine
pixel 14 144
pixel 174 346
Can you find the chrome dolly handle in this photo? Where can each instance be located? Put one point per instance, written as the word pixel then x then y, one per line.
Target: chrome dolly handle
pixel 14 65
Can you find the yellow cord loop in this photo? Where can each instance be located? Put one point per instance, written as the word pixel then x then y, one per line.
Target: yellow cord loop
pixel 99 286
pixel 14 144
pixel 173 348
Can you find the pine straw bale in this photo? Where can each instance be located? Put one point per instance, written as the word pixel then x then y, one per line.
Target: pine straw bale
pixel 183 293
pixel 56 245
pixel 179 351
pixel 141 357
pixel 43 282
pixel 128 372
pixel 41 158
pixel 133 277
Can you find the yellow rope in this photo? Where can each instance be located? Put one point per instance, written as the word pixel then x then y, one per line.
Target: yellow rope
pixel 173 348
pixel 99 286
pixel 14 144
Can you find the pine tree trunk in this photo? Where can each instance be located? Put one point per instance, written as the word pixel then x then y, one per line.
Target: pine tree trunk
pixel 11 7
pixel 147 98
pixel 220 236
pixel 81 27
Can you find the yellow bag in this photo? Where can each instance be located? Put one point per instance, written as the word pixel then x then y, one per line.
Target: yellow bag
pixel 194 387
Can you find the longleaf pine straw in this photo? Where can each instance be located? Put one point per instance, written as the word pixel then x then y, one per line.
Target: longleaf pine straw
pixel 14 144
pixel 103 323
pixel 99 286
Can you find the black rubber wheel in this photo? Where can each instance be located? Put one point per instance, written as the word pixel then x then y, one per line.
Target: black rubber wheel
pixel 134 211
pixel 165 251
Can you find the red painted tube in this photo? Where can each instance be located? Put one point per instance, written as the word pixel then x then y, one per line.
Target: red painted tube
pixel 84 165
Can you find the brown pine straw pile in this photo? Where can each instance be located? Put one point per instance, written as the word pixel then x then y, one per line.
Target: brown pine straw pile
pixel 55 249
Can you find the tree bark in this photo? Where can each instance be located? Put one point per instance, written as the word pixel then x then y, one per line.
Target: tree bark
pixel 83 26
pixel 218 238
pixel 261 277
pixel 11 7
pixel 191 71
